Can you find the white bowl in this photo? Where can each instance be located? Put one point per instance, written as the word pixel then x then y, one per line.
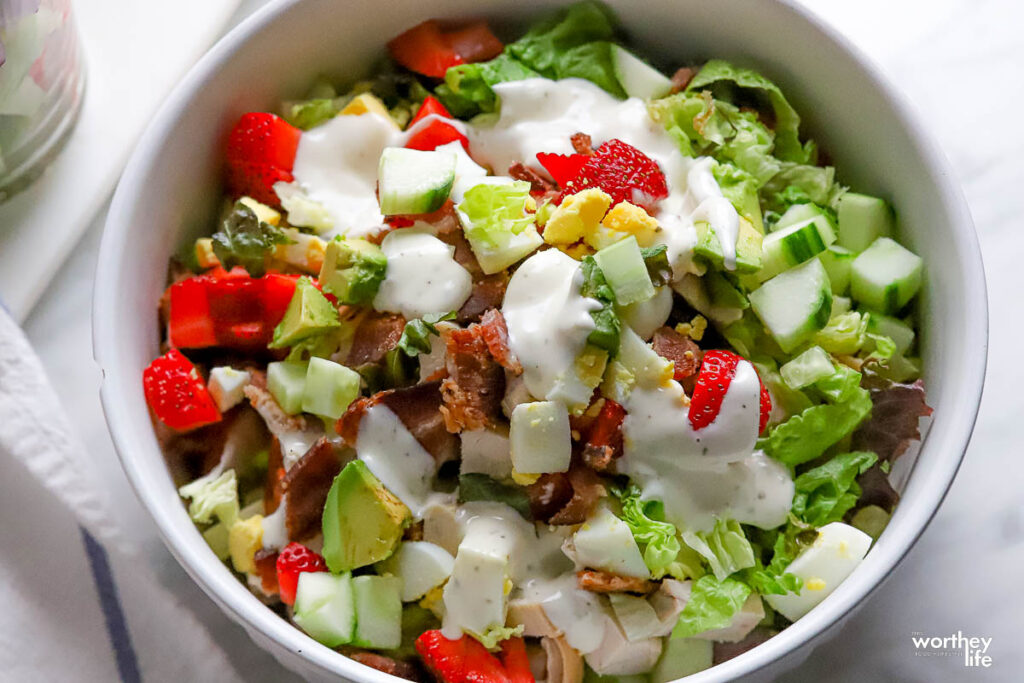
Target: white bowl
pixel 169 192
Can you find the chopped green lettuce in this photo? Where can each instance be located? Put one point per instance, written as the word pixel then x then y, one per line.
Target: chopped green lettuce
pixel 658 266
pixel 546 43
pixel 884 348
pixel 663 554
pixel 212 495
pixel 607 326
pixel 840 386
pixel 244 240
pixel 593 62
pixel 495 209
pixel 467 88
pixel 826 493
pixel 799 184
pixel 844 334
pixel 804 437
pixel 740 188
pixel 712 605
pixel 311 113
pixel 415 337
pixel 725 547
pixel 496 633
pixel 721 75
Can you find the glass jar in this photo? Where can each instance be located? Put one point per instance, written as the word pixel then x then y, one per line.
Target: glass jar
pixel 41 81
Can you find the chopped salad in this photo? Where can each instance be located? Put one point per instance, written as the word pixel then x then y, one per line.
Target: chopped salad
pixel 526 361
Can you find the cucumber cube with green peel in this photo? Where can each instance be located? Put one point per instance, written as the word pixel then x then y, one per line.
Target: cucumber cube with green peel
pixel 329 388
pixel 794 305
pixel 886 276
pixel 286 382
pixel 378 612
pixel 413 182
pixel 325 608
pixel 862 220
pixel 837 261
pixel 798 213
pixel 624 269
pixel 795 244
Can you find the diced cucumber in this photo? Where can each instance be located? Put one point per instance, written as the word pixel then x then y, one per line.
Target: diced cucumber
pixel 624 269
pixel 794 305
pixel 807 368
pixel 840 305
pixel 886 276
pixel 682 657
pixel 324 607
pixel 539 438
pixel 329 388
pixel 862 220
pixel 837 261
pixel 900 332
pixel 378 612
pixel 638 78
pixel 795 244
pixel 286 382
pixel 798 213
pixel 748 247
pixel 412 182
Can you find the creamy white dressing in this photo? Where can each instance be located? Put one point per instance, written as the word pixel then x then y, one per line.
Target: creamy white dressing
pixel 540 115
pixel 336 165
pixel 395 457
pixel 275 532
pixel 714 472
pixel 548 322
pixel 577 613
pixel 422 275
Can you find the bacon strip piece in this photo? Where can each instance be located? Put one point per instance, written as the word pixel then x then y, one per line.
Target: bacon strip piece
pixel 582 144
pixel 566 497
pixel 538 184
pixel 374 337
pixel 488 292
pixel 680 349
pixel 306 484
pixel 597 581
pixel 273 489
pixel 495 334
pixel 681 78
pixel 475 384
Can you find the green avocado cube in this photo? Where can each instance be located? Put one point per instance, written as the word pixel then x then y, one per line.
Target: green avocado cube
pixel 353 270
pixel 362 522
pixel 309 313
pixel 329 388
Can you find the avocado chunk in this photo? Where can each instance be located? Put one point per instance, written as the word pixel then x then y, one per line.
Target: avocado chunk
pixel 362 521
pixel 353 270
pixel 309 313
pixel 748 247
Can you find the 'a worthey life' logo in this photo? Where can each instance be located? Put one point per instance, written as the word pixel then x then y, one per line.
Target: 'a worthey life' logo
pixel 972 648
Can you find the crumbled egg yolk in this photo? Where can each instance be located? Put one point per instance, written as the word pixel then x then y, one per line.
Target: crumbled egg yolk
pixel 366 104
pixel 815 584
pixel 578 215
pixel 694 329
pixel 623 220
pixel 525 478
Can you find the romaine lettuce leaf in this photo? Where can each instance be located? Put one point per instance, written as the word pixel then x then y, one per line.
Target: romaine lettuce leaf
pixel 712 605
pixel 593 62
pixel 740 188
pixel 495 209
pixel 607 326
pixel 663 553
pixel 827 492
pixel 725 547
pixel 311 113
pixel 544 45
pixel 467 88
pixel 717 73
pixel 416 334
pixel 212 495
pixel 804 437
pixel 799 183
pixel 476 486
pixel 844 334
pixel 840 386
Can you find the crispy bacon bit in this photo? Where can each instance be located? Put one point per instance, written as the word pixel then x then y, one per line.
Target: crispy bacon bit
pixel 275 475
pixel 464 255
pixel 419 409
pixel 549 494
pixel 587 489
pixel 306 484
pixel 488 292
pixel 495 334
pixel 604 441
pixel 374 337
pixel 538 184
pixel 347 425
pixel 605 582
pixel 381 663
pixel 413 532
pixel 582 144
pixel 191 454
pixel 476 382
pixel 266 568
pixel 278 421
pixel 681 78
pixel 680 349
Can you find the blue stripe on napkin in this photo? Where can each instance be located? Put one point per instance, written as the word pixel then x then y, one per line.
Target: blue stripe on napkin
pixel 117 626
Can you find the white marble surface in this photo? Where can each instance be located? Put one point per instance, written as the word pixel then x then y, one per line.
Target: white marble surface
pixel 961 63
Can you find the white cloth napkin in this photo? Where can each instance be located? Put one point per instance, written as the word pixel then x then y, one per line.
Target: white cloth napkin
pixel 77 597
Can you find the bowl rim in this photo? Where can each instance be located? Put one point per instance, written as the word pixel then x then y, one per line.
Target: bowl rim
pixel 243 608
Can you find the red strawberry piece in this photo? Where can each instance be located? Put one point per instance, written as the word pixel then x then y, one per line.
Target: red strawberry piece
pixel 716 373
pixel 474 43
pixel 463 660
pixel 177 394
pixel 294 560
pixel 624 172
pixel 563 168
pixel 260 152
pixel 604 441
pixel 517 663
pixel 425 50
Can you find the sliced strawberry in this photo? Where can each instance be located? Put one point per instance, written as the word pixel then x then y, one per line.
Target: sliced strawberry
pixel 517 663
pixel 474 43
pixel 563 168
pixel 177 394
pixel 430 135
pixel 624 172
pixel 260 152
pixel 463 660
pixel 431 105
pixel 294 560
pixel 424 49
pixel 716 373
